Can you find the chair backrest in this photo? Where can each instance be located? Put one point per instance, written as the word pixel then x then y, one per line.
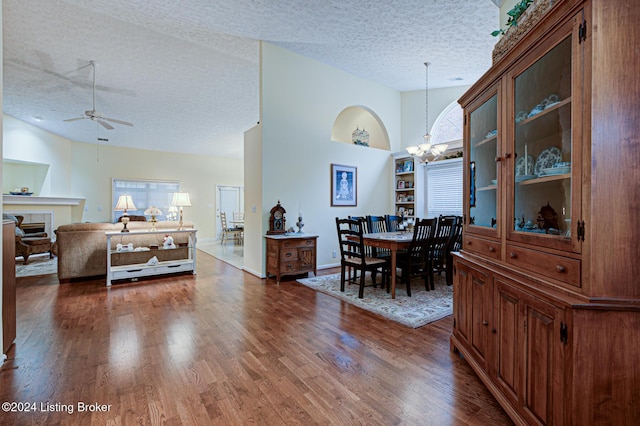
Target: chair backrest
pixel 350 239
pixel 223 220
pixel 446 230
pixel 424 232
pixel 377 224
pixel 238 215
pixel 365 225
pixel 456 237
pixel 392 222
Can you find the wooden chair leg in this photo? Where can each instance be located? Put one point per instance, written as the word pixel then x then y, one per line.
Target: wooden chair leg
pixel 361 291
pixel 342 271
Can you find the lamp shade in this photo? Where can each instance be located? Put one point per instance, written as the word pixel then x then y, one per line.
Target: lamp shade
pixel 125 202
pixel 153 211
pixel 181 199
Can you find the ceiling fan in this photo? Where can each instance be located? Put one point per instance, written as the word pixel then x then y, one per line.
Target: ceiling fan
pixel 95 115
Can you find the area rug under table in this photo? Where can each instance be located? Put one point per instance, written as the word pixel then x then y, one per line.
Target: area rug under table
pixel 421 308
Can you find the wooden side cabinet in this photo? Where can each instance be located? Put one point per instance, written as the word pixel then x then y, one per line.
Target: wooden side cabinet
pixel 290 254
pixel 133 264
pixel 8 284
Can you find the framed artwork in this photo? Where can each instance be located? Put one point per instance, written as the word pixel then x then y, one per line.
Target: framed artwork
pixel 408 166
pixel 401 184
pixel 344 185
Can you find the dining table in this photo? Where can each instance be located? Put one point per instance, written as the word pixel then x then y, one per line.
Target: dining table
pixel 392 241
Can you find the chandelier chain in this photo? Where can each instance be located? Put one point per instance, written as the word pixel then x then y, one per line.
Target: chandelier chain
pixel 426 97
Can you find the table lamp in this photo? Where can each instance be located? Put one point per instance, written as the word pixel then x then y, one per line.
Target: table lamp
pixel 153 211
pixel 125 202
pixel 180 200
pixel 173 213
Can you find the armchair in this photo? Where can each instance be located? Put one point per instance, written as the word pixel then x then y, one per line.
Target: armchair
pixel 32 244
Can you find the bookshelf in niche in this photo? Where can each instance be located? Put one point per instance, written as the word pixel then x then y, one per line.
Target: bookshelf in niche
pixel 408 186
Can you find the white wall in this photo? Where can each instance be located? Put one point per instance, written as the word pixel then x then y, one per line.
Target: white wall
pixel 414 111
pixel 82 170
pixel 24 142
pixel 301 98
pixel 253 201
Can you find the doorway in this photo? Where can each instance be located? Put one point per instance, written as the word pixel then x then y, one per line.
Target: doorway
pixel 229 199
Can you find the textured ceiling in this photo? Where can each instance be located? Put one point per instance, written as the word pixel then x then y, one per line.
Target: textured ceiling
pixel 186 73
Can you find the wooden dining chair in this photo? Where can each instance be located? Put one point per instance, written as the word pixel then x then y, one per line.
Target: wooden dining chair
pixel 353 254
pixel 455 243
pixel 416 261
pixel 238 220
pixel 393 222
pixel 447 227
pixel 229 232
pixel 376 224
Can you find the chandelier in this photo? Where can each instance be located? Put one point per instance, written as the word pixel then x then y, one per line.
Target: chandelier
pixel 426 150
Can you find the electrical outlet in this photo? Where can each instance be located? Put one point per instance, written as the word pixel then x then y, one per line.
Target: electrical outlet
pixel 334 254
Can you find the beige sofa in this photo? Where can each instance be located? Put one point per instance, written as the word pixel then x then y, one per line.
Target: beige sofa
pixel 82 248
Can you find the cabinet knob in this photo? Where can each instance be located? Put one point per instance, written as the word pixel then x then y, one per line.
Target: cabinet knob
pixel 494 331
pixel 288 254
pixel 513 255
pixel 498 159
pixel 468 242
pixel 492 249
pixel 485 322
pixel 507 155
pixel 561 269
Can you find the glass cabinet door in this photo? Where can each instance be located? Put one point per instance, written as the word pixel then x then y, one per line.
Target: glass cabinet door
pixel 543 164
pixel 483 168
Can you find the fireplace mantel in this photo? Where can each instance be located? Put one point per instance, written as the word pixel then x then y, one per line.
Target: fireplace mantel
pixel 41 201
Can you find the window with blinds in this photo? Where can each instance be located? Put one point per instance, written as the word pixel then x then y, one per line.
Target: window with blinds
pixel 145 193
pixel 444 188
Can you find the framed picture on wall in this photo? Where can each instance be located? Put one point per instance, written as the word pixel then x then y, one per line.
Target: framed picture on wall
pixel 344 185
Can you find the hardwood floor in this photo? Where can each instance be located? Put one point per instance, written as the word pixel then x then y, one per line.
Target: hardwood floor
pixel 225 347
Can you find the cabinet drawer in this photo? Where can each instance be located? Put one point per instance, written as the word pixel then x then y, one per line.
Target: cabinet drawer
pixel 288 267
pixel 299 242
pixel 481 246
pixel 553 266
pixel 287 255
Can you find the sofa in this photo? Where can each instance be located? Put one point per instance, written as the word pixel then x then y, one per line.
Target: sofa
pixel 82 247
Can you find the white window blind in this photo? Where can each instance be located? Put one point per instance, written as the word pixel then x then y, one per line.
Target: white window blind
pixel 145 193
pixel 444 188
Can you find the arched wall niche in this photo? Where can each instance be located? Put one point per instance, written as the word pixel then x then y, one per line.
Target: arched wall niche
pixel 360 117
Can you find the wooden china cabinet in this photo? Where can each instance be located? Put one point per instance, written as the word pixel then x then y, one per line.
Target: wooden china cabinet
pixel 547 284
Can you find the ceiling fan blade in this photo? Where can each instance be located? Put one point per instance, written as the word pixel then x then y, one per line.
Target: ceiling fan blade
pixel 114 120
pixel 105 124
pixel 75 119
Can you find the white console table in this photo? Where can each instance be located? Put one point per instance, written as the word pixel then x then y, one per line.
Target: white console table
pixel 135 270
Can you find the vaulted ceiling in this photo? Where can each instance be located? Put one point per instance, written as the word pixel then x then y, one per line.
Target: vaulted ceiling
pixel 186 73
